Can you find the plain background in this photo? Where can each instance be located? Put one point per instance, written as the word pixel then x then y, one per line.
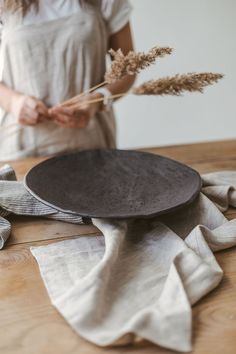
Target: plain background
pixel 203 34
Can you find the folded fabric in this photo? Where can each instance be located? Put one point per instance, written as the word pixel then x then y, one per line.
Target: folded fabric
pixel 141 278
pixel 5 230
pixel 8 174
pixel 14 198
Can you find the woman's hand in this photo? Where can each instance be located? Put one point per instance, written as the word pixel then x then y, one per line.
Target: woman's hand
pixel 28 110
pixel 79 114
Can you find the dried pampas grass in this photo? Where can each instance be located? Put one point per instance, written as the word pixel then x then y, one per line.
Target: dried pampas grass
pixel 123 65
pixel 177 84
pixel 132 63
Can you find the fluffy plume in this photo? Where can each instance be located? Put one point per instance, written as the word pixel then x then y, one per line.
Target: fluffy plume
pixel 132 63
pixel 177 84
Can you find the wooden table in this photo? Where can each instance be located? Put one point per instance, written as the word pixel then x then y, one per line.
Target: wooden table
pixel 29 324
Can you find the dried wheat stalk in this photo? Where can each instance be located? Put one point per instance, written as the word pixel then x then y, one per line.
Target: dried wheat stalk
pixel 132 63
pixel 169 86
pixel 177 84
pixel 123 65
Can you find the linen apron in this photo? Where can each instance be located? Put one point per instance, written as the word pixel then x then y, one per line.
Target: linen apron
pixel 54 61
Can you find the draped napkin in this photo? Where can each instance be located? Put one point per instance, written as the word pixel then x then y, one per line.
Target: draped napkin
pixel 140 279
pixel 15 199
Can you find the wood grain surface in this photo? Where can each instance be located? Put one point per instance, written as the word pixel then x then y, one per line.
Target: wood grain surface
pixel 29 324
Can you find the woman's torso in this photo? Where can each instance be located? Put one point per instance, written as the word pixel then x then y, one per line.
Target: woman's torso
pixel 53 61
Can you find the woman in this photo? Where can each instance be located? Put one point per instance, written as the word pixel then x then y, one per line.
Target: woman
pixel 52 50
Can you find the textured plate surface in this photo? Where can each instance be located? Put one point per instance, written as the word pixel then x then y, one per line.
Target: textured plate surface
pixel 113 184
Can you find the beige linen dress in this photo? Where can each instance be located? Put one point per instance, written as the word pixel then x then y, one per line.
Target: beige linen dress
pixel 54 61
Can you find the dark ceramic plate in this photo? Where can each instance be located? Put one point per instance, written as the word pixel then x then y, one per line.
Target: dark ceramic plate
pixel 113 184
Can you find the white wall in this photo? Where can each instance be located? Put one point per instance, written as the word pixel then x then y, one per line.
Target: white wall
pixel 203 33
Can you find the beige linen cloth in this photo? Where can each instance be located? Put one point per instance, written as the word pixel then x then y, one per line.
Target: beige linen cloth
pixel 141 278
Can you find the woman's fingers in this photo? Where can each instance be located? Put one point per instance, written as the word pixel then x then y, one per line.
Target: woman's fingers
pixel 42 109
pixel 62 118
pixel 28 116
pixel 68 117
pixel 33 112
pixel 28 110
pixel 32 116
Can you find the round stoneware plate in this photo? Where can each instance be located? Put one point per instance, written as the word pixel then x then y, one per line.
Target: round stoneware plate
pixel 113 184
